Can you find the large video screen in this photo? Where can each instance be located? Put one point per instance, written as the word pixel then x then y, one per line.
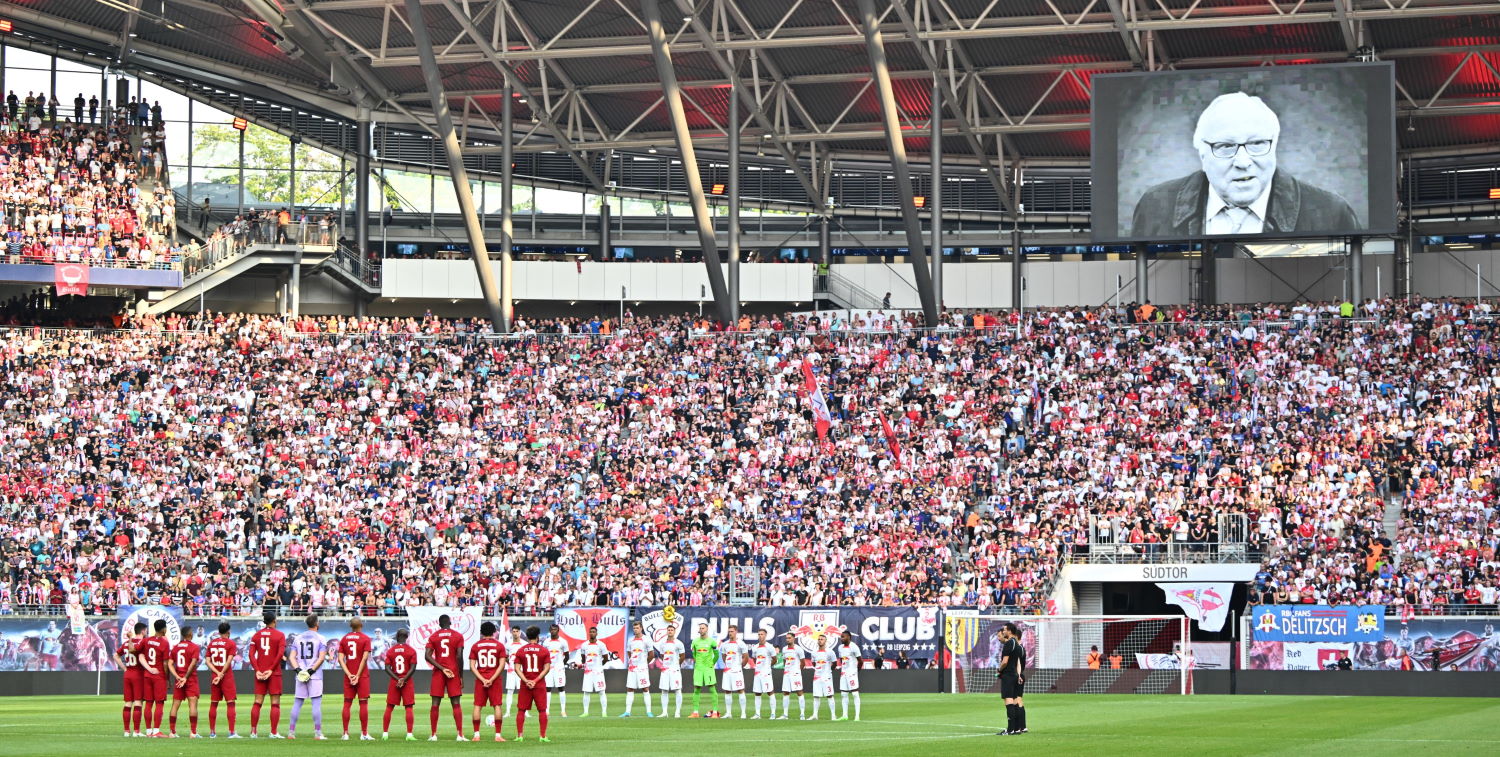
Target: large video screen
pixel 1273 151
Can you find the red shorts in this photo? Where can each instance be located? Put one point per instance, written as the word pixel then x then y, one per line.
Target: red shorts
pixel 270 686
pixel 405 694
pixel 154 689
pixel 528 696
pixel 493 694
pixel 188 690
pixel 224 689
pixel 444 686
pixel 359 690
pixel 133 685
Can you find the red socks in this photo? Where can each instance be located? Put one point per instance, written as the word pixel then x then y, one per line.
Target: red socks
pixel 125 716
pixel 364 716
pixel 193 723
pixel 156 719
pixel 385 723
pixel 434 719
pixel 173 724
pixel 520 723
pixel 458 719
pixel 275 716
pixel 411 719
pixel 230 705
pixel 254 718
pixel 213 718
pixel 136 713
pixel 541 719
pixel 347 704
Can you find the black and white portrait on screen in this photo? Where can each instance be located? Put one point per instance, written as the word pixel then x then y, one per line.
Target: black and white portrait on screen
pixel 1244 153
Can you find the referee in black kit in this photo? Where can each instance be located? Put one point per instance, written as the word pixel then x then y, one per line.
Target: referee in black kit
pixel 1012 679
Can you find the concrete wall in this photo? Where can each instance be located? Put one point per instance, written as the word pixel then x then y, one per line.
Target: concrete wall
pixel 573 281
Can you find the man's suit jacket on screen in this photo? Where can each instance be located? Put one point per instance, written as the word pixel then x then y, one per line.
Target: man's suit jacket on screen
pixel 1174 209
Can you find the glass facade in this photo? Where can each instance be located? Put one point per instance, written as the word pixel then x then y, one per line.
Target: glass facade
pixel 260 168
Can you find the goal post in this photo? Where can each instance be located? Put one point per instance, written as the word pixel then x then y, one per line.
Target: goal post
pixel 1154 653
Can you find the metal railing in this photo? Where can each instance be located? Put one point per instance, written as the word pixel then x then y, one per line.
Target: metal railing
pixel 1184 552
pixel 852 294
pixel 168 263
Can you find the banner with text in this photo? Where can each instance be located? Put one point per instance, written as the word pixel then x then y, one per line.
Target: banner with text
pixel 1349 623
pixel 887 630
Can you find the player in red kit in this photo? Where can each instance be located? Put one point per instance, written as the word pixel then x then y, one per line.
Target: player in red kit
pixel 182 664
pixel 487 660
pixel 354 661
pixel 532 663
pixel 445 648
pixel 401 666
pixel 154 651
pixel 220 660
pixel 267 651
pixel 130 671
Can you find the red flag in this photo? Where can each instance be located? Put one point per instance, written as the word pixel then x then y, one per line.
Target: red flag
pixel 890 436
pixel 822 418
pixel 71 278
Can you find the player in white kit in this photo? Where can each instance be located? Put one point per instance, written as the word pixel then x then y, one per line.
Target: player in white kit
pixel 848 653
pixel 637 670
pixel 733 653
pixel 593 654
pixel 822 660
pixel 791 678
pixel 669 658
pixel 762 657
pixel 557 674
pixel 512 678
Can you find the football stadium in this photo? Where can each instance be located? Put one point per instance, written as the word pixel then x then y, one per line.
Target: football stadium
pixel 966 377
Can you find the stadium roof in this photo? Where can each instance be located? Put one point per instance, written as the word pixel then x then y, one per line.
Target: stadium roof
pixel 1018 71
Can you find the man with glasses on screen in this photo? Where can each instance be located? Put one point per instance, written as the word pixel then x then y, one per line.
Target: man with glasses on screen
pixel 1240 192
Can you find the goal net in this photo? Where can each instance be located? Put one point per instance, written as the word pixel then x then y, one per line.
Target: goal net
pixel 1153 653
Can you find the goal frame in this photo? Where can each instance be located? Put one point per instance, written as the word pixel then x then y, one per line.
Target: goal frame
pixel 1053 652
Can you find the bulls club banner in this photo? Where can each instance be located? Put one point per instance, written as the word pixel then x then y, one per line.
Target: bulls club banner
pixel 913 630
pixel 71 278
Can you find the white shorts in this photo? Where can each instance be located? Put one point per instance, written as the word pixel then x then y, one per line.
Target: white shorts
pixel 639 679
pixel 593 682
pixel 849 681
pixel 557 678
pixel 670 680
pixel 734 680
pixel 822 686
pixel 791 681
pixel 512 682
pixel 763 684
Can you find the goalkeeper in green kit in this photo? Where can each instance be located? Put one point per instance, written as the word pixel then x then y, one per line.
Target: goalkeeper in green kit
pixel 705 660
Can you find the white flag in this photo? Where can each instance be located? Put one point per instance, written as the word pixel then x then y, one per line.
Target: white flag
pixel 1207 603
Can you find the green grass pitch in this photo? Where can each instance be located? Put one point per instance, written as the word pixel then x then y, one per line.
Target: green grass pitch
pixel 918 725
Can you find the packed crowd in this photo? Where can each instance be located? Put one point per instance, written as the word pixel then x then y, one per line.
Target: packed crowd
pixel 228 462
pixel 69 191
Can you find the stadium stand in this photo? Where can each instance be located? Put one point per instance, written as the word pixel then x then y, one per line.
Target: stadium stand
pixel 70 194
pixel 229 461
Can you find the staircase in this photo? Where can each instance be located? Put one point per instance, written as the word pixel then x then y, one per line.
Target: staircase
pixel 1392 524
pixel 847 294
pixel 1088 596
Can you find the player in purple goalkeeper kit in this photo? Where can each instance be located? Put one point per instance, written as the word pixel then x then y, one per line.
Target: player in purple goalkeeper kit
pixel 306 652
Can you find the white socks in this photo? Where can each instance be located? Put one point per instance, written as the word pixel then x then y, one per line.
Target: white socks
pixel 630 700
pixel 844 697
pixel 856 704
pixel 744 706
pixel 664 703
pixel 603 704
